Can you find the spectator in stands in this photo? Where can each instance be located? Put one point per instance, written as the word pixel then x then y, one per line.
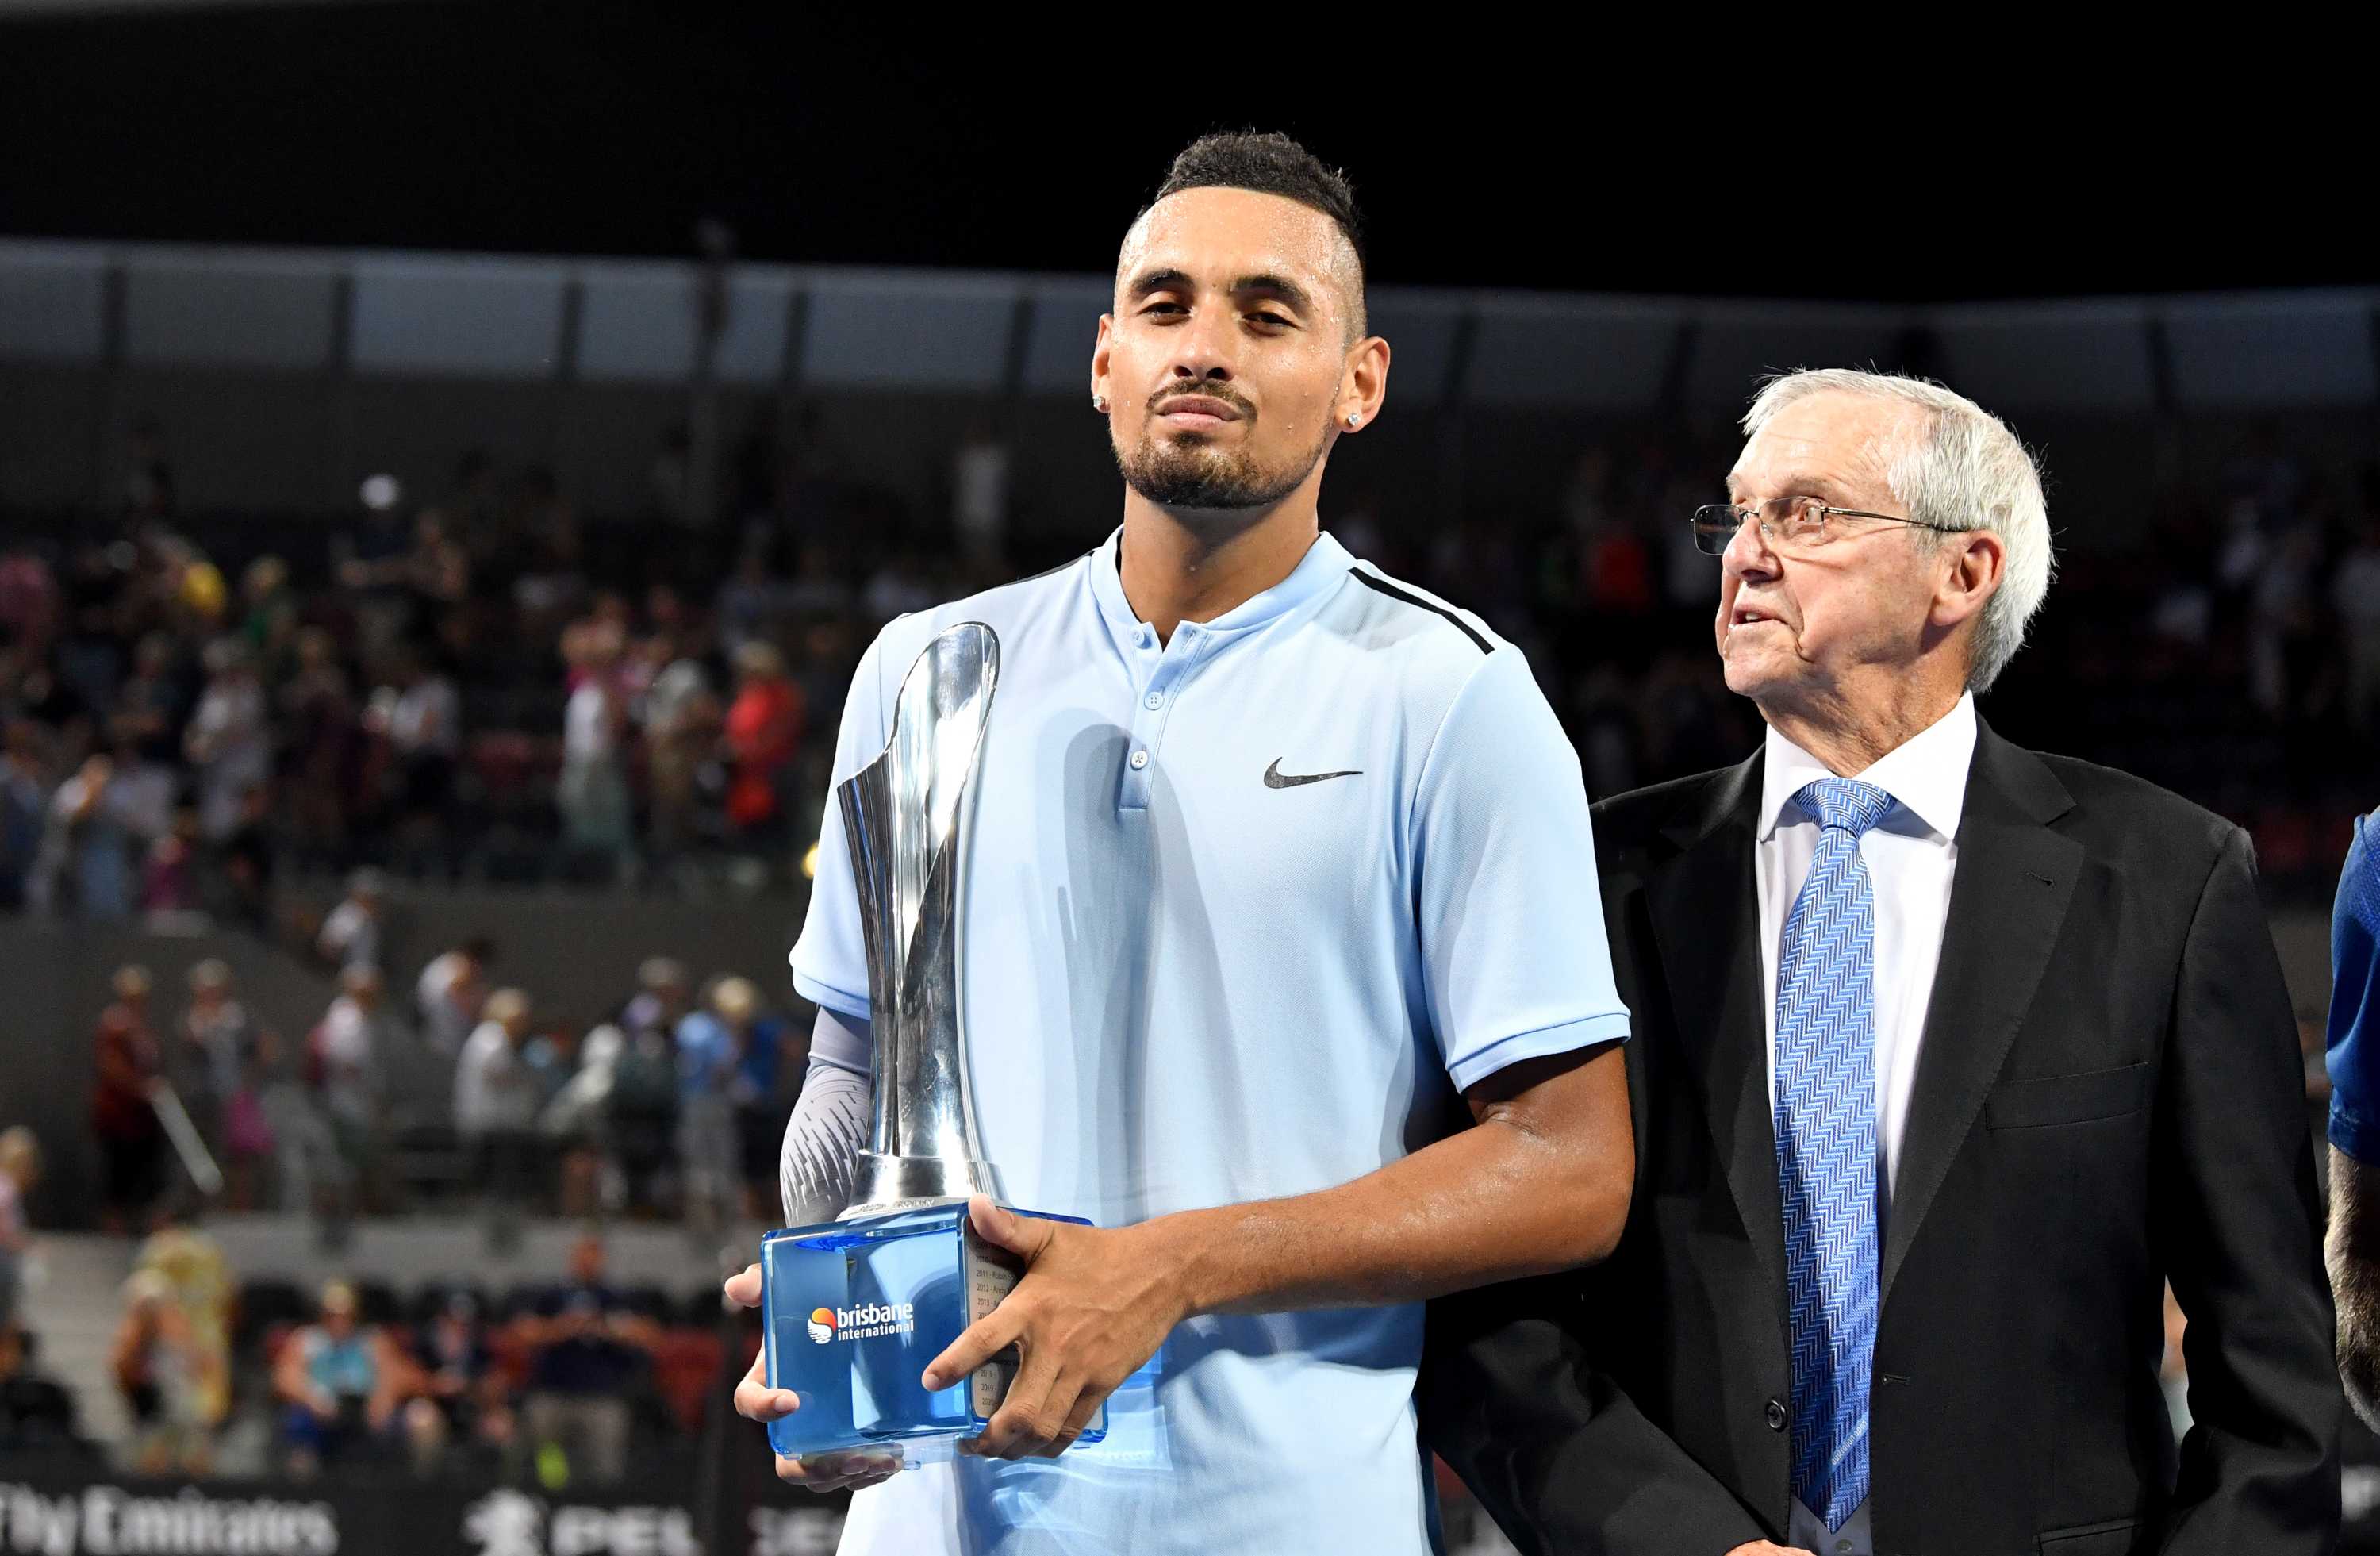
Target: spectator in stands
pixel 24 808
pixel 588 1349
pixel 552 567
pixel 169 880
pixel 132 1140
pixel 641 1110
pixel 100 617
pixel 752 603
pixel 568 1124
pixel 321 748
pixel 198 1286
pixel 552 1054
pixel 574 1122
pixel 228 740
pixel 92 844
pixel 347 1051
pixel 681 718
pixel 763 731
pixel 420 716
pixel 217 1023
pixel 307 1171
pixel 341 1383
pixel 150 704
pixel 158 1371
pixel 2355 598
pixel 463 1399
pixel 268 614
pixel 202 1062
pixel 594 792
pixel 497 1095
pixel 448 995
pixel 437 570
pixel 28 601
pixel 363 562
pixel 20 1169
pixel 350 932
pixel 244 895
pixel 195 589
pixel 37 1416
pixel 729 1055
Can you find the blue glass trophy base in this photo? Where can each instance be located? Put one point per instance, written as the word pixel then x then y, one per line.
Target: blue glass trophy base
pixel 853 1312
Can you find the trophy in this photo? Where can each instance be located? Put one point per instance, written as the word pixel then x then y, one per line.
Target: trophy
pixel 855 1307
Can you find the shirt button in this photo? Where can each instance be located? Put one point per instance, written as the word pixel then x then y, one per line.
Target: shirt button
pixel 1776 1414
pixel 1139 761
pixel 1153 700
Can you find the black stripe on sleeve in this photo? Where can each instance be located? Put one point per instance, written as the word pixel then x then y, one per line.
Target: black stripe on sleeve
pixel 1393 593
pixel 1045 572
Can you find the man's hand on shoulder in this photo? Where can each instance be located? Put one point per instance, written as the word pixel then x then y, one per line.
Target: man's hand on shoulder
pixel 1093 1305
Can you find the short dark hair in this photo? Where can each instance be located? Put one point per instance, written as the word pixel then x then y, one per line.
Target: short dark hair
pixel 1269 163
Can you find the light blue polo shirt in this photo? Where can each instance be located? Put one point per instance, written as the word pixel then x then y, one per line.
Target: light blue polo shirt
pixel 1246 911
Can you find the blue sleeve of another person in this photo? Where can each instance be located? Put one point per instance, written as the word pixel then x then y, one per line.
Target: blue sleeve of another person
pixel 2354 1057
pixel 1514 959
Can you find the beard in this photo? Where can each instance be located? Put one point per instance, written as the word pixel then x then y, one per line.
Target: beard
pixel 1187 473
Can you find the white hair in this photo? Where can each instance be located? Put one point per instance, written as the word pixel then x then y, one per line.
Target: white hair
pixel 1961 469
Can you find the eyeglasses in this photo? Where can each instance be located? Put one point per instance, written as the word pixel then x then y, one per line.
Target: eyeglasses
pixel 1799 522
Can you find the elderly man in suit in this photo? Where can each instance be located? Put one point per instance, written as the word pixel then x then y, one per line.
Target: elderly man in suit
pixel 1950 1055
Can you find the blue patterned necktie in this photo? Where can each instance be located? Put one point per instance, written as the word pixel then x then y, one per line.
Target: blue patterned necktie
pixel 1826 1146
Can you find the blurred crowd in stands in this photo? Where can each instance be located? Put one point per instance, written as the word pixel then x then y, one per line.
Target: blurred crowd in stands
pixel 451 1097
pixel 482 684
pixel 574 1380
pixel 450 1094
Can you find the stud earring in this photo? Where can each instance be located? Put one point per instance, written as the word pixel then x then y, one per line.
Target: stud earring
pixel 1100 403
pixel 1354 419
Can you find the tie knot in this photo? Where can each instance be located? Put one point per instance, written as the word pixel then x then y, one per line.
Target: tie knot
pixel 1844 803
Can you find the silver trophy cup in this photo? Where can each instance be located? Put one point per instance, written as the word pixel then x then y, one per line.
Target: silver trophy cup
pixel 856 1307
pixel 908 815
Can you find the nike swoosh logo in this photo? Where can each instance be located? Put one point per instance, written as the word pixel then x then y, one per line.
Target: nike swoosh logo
pixel 1276 779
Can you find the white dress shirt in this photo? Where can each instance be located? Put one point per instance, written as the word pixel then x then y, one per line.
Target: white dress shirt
pixel 1910 855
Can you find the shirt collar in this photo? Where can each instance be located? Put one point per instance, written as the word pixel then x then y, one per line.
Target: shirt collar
pixel 1925 774
pixel 1325 563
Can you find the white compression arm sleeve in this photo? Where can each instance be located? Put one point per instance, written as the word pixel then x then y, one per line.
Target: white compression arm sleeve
pixel 831 1122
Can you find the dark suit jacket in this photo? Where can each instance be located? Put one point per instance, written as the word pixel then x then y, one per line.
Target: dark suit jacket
pixel 2108 1097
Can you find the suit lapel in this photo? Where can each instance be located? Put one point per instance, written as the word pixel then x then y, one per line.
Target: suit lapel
pixel 1707 926
pixel 2008 900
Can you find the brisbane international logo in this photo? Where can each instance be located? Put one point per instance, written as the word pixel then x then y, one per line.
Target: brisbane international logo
pixel 866 1321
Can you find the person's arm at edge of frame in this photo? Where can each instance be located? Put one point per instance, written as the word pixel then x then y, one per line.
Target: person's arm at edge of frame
pixel 2352 1248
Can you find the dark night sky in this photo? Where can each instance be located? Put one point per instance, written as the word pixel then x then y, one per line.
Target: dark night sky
pixel 612 128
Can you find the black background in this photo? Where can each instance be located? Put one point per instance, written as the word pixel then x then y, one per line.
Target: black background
pixel 1529 156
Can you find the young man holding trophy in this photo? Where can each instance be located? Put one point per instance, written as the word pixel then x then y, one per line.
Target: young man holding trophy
pixel 1223 893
